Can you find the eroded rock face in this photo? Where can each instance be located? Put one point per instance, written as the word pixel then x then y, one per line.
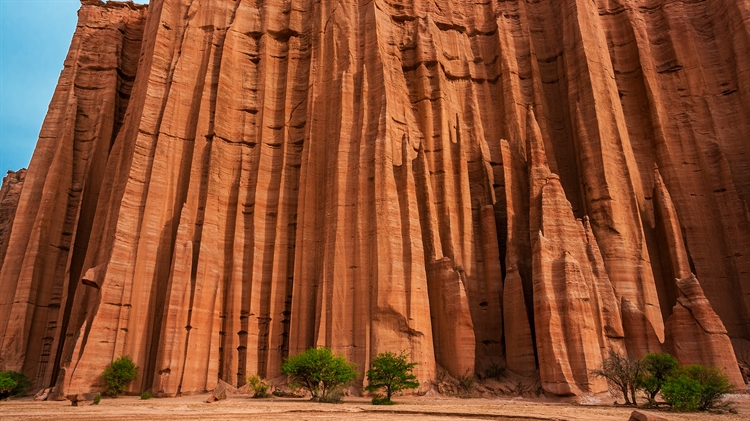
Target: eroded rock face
pixel 696 335
pixel 221 184
pixel 10 193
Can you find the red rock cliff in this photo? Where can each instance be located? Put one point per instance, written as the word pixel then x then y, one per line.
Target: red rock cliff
pixel 222 183
pixel 10 192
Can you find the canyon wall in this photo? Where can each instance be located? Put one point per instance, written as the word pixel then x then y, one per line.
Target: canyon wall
pixel 10 192
pixel 219 184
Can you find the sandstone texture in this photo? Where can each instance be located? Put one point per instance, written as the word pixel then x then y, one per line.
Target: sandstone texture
pixel 10 193
pixel 220 184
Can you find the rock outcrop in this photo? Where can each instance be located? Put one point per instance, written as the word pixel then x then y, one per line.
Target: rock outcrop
pixel 219 184
pixel 696 335
pixel 10 193
pixel 645 416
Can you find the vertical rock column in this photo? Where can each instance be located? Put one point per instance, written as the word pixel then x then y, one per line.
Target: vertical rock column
pixel 360 284
pixel 575 309
pixel 55 215
pixel 10 193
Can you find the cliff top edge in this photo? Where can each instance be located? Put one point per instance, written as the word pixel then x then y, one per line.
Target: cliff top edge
pixel 113 3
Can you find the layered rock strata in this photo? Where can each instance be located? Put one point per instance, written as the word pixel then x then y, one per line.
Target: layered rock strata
pixel 222 183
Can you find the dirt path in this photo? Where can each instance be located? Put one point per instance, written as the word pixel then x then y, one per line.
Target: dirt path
pixel 409 408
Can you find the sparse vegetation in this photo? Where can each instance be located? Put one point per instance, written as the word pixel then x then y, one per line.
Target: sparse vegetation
pixel 146 396
pixel 681 393
pixel 6 386
pixel 97 398
pixel 260 387
pixel 622 372
pixel 392 373
pixel 495 371
pixel 657 368
pixel 694 387
pixel 13 383
pixel 321 373
pixel 118 375
pixel 440 376
pixel 466 382
pixel 688 388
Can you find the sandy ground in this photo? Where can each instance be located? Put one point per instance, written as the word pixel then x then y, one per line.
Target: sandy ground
pixel 408 408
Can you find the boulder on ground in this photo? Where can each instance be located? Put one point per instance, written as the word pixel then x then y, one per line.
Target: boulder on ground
pixel 81 399
pixel 42 394
pixel 645 416
pixel 221 391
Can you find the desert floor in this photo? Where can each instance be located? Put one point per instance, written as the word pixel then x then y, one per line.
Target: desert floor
pixel 408 408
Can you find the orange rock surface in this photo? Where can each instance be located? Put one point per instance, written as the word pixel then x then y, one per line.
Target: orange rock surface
pixel 10 192
pixel 219 184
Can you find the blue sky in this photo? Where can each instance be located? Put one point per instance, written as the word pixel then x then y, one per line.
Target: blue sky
pixel 34 40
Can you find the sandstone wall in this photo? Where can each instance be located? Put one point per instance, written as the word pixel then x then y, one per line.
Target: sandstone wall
pixel 10 193
pixel 219 184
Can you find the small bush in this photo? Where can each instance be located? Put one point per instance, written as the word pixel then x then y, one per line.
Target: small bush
pixel 622 372
pixel 466 382
pixel 260 387
pixel 695 387
pixel 320 372
pixel 391 372
pixel 97 398
pixel 19 379
pixel 657 368
pixel 118 375
pixel 146 396
pixel 714 385
pixel 495 371
pixel 7 385
pixel 682 393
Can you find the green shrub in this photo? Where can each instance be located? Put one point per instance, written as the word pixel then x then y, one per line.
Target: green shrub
pixel 7 385
pixel 682 393
pixel 696 387
pixel 623 372
pixel 21 383
pixel 391 372
pixel 260 387
pixel 118 375
pixel 146 396
pixel 320 372
pixel 657 368
pixel 714 385
pixel 97 398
